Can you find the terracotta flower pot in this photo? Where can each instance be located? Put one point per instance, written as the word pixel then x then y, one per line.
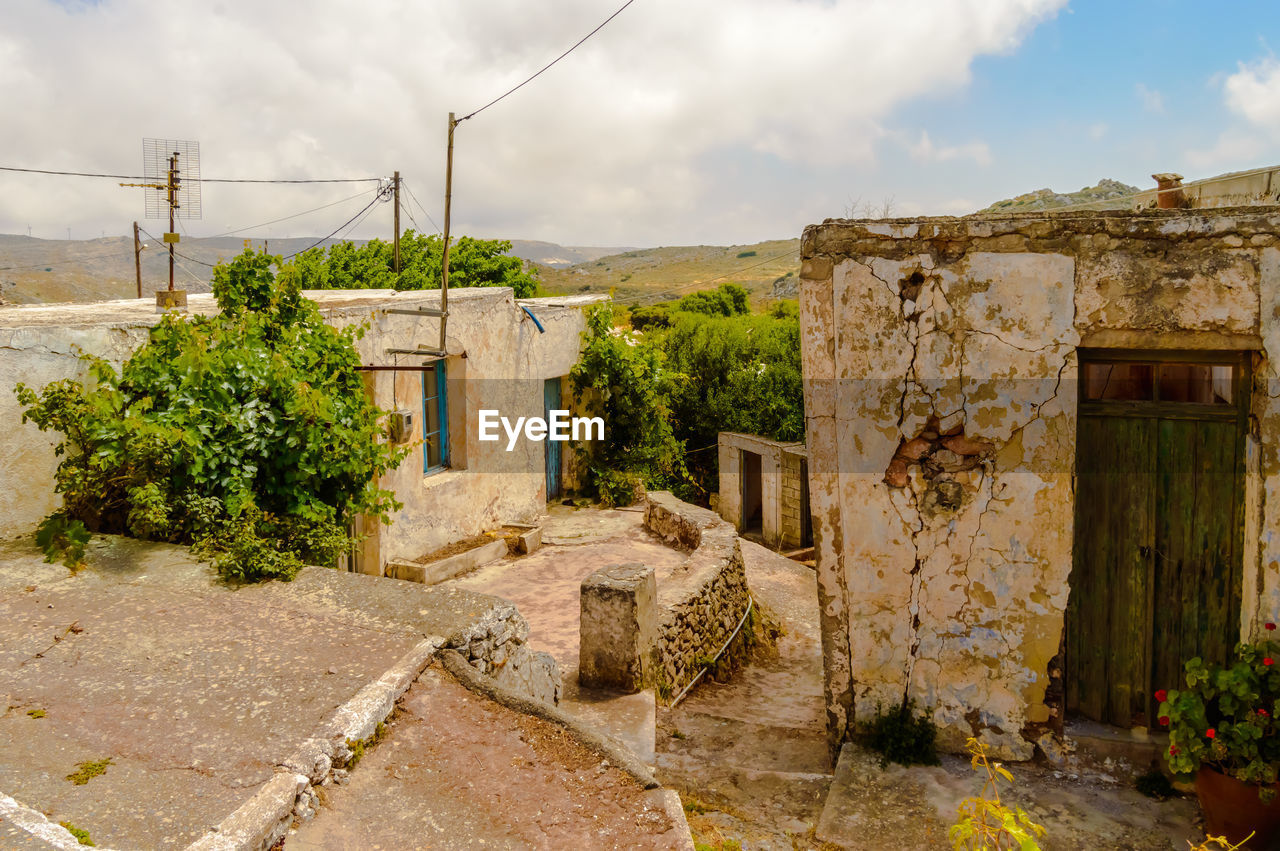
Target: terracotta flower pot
pixel 1234 810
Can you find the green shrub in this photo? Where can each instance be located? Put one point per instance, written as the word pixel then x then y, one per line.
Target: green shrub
pixel 247 433
pixel 62 539
pixel 900 735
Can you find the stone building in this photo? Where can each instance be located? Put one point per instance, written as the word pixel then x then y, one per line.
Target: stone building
pixel 1044 459
pixel 503 354
pixel 764 489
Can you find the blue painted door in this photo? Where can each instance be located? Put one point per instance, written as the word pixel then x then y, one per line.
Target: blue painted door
pixel 551 402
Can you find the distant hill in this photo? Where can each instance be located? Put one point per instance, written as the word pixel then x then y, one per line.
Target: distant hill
pixel 54 270
pixel 767 269
pixel 1106 195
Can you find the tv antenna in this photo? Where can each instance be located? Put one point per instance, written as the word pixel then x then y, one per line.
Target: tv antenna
pixel 173 168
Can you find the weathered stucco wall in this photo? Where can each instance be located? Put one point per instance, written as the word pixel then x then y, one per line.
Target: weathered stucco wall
pixel 498 359
pixel 940 365
pixel 779 485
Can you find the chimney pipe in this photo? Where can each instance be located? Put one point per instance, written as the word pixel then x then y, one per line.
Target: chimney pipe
pixel 1169 194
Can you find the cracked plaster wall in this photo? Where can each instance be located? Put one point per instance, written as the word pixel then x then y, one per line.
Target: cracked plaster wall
pixel 940 387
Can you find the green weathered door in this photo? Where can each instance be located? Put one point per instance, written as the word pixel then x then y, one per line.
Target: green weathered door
pixel 1156 577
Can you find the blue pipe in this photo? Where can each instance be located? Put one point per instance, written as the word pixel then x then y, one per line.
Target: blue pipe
pixel 541 330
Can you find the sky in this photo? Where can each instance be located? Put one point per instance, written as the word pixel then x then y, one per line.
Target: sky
pixel 682 122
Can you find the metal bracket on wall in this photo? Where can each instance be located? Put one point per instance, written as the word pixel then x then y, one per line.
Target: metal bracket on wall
pixel 430 353
pixel 417 311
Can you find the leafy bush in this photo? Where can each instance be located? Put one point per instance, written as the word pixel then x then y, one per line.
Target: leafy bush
pixel 472 263
pixel 247 433
pixel 724 300
pixel 900 735
pixel 622 380
pixel 1226 717
pixel 62 539
pixel 738 373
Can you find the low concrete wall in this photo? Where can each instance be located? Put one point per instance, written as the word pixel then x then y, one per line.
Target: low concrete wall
pixel 703 600
pixel 617 628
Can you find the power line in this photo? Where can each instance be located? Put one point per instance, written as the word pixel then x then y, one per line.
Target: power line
pixel 351 222
pixel 193 179
pixel 548 66
pixel 294 216
pixel 420 207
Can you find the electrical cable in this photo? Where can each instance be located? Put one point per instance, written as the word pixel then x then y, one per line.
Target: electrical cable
pixel 192 179
pixel 286 218
pixel 381 196
pixel 548 66
pixel 420 207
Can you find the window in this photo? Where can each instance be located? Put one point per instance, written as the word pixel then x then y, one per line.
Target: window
pixel 1205 383
pixel 435 418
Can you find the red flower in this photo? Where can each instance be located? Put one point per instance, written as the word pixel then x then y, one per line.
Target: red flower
pixel 1268 661
pixel 1264 713
pixel 1173 749
pixel 1210 733
pixel 1270 626
pixel 1162 695
pixel 1164 720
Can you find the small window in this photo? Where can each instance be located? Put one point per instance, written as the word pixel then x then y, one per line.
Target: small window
pixel 1119 381
pixel 435 418
pixel 1198 383
pixel 1177 382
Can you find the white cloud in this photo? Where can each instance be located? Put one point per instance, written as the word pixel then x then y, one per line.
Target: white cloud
pixel 612 145
pixel 1152 100
pixel 1097 131
pixel 925 151
pixel 1253 92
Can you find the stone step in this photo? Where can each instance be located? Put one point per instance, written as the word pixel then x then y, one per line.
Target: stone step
pixel 755 746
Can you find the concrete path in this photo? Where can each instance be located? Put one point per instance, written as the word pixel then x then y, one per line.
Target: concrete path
pixel 545 588
pixel 143 701
pixel 905 809
pixel 750 756
pixel 458 771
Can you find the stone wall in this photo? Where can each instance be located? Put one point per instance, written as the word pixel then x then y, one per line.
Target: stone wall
pixel 495 646
pixel 940 391
pixel 704 599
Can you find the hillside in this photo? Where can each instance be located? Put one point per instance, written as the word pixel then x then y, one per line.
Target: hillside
pixel 671 272
pixel 1106 195
pixel 54 270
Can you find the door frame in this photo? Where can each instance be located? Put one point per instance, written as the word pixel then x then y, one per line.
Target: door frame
pixel 1157 409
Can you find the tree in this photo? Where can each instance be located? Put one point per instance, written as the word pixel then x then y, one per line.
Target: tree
pixel 724 300
pixel 472 263
pixel 247 433
pixel 623 381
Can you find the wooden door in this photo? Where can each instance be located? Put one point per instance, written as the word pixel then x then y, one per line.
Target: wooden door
pixel 551 402
pixel 1156 577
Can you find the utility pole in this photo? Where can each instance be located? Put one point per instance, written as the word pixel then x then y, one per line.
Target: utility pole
pixel 171 237
pixel 137 258
pixel 395 251
pixel 448 204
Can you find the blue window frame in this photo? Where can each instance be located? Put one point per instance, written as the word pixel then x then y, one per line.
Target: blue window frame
pixel 435 418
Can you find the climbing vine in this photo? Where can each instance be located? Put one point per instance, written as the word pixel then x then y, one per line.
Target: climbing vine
pixel 247 433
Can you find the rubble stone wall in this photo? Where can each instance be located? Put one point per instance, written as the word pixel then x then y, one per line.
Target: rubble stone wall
pixel 495 646
pixel 704 599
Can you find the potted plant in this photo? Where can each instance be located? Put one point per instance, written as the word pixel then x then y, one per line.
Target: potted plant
pixel 1223 728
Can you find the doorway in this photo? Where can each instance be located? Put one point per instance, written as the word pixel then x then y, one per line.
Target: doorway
pixel 752 504
pixel 551 402
pixel 1157 572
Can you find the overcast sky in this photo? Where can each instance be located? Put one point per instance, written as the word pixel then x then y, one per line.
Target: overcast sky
pixel 681 122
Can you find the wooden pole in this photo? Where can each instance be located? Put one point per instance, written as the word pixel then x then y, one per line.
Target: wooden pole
pixel 173 202
pixel 395 251
pixel 137 258
pixel 448 204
